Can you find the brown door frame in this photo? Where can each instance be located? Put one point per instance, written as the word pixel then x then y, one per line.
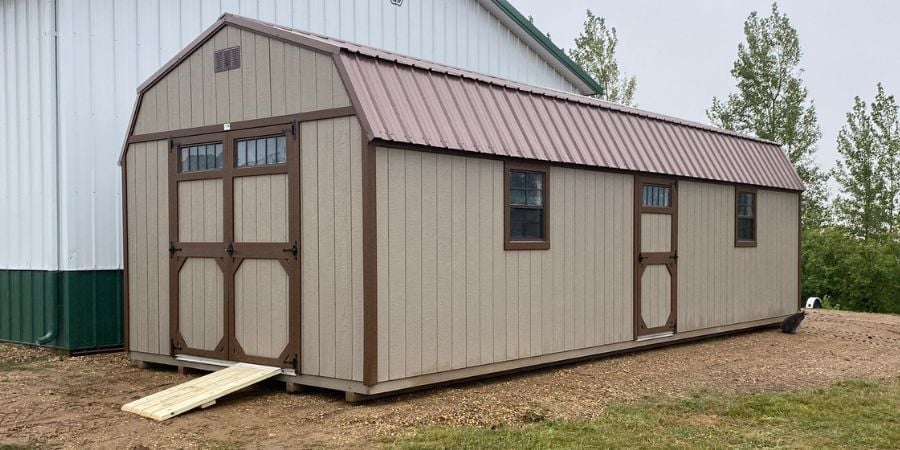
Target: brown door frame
pixel 644 259
pixel 229 262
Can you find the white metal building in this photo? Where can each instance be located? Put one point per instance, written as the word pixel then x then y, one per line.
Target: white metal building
pixel 68 74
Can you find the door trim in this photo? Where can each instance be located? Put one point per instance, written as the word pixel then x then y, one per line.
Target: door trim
pixel 642 260
pixel 229 348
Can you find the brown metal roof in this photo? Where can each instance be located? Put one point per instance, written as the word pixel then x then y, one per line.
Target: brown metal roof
pixel 414 102
pixel 411 101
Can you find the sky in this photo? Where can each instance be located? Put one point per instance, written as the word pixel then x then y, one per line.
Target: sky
pixel 682 51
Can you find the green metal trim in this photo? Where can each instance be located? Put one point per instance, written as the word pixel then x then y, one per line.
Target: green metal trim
pixel 533 31
pixel 72 310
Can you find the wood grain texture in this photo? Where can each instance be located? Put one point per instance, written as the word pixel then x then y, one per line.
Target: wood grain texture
pixel 275 79
pixel 719 284
pixel 445 282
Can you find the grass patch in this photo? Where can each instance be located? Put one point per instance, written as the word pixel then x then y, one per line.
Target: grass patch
pixel 851 414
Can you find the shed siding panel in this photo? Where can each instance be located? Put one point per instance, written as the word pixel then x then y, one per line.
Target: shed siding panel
pixel 440 229
pixel 261 209
pixel 331 248
pixel 274 79
pixel 200 213
pixel 719 284
pixel 148 237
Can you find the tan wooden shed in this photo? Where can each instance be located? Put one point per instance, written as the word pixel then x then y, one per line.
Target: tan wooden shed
pixel 373 223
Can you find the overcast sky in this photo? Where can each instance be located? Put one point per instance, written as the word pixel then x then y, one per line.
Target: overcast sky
pixel 682 51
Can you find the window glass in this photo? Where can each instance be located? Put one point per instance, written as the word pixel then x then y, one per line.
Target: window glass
pixel 261 151
pixel 197 158
pixel 526 206
pixel 656 196
pixel 746 220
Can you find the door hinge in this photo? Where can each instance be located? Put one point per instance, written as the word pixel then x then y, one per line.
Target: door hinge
pixel 292 249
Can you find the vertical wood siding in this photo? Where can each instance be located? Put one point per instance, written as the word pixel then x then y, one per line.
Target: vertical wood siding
pixel 449 296
pixel 719 284
pixel 261 305
pixel 274 79
pixel 331 248
pixel 261 208
pixel 147 176
pixel 201 303
pixel 200 213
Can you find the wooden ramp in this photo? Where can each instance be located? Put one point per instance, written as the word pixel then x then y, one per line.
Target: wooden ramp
pixel 200 392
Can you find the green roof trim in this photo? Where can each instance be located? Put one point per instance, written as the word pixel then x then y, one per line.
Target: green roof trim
pixel 542 39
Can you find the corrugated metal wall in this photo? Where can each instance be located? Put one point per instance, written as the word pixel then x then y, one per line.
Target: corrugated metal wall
pixel 28 189
pixel 106 48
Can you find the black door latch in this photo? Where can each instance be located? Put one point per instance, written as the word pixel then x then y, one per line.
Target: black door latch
pixel 230 249
pixel 292 250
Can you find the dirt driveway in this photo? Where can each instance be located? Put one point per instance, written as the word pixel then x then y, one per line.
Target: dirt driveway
pixel 46 400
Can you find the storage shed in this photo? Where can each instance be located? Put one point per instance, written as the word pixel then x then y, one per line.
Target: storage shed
pixel 372 222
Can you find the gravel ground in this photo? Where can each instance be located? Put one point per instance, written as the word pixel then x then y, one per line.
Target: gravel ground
pixel 53 401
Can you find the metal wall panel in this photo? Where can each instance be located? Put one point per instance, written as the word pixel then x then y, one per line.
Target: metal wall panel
pixel 107 48
pixel 28 189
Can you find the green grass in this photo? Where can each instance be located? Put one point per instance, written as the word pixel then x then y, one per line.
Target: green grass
pixel 852 414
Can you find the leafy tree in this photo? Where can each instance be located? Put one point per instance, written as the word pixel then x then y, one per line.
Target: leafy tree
pixel 772 103
pixel 866 142
pixel 887 136
pixel 595 51
pixel 853 273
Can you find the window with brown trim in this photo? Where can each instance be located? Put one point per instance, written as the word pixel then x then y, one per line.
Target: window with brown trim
pixel 265 151
pixel 745 218
pixel 200 157
pixel 526 215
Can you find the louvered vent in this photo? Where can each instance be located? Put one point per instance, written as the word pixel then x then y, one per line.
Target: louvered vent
pixel 227 59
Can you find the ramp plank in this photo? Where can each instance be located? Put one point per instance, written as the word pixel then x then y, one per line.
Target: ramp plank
pixel 200 392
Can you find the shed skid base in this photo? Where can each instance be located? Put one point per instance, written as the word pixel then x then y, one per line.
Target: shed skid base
pixel 356 391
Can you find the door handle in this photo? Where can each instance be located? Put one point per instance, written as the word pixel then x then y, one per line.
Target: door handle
pixel 292 250
pixel 230 249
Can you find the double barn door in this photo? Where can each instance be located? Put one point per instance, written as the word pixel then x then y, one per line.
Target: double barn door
pixel 235 263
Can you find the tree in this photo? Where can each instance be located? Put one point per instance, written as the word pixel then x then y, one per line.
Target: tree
pixel 595 51
pixel 867 173
pixel 887 135
pixel 772 104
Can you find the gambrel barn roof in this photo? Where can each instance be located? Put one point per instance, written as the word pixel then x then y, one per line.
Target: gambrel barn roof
pixel 409 101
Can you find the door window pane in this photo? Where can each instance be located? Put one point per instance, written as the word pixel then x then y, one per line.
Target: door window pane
pixel 196 158
pixel 656 196
pixel 261 151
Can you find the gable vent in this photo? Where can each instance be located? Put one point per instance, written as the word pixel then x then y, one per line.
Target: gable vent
pixel 227 59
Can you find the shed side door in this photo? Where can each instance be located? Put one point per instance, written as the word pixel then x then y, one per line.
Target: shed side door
pixel 656 256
